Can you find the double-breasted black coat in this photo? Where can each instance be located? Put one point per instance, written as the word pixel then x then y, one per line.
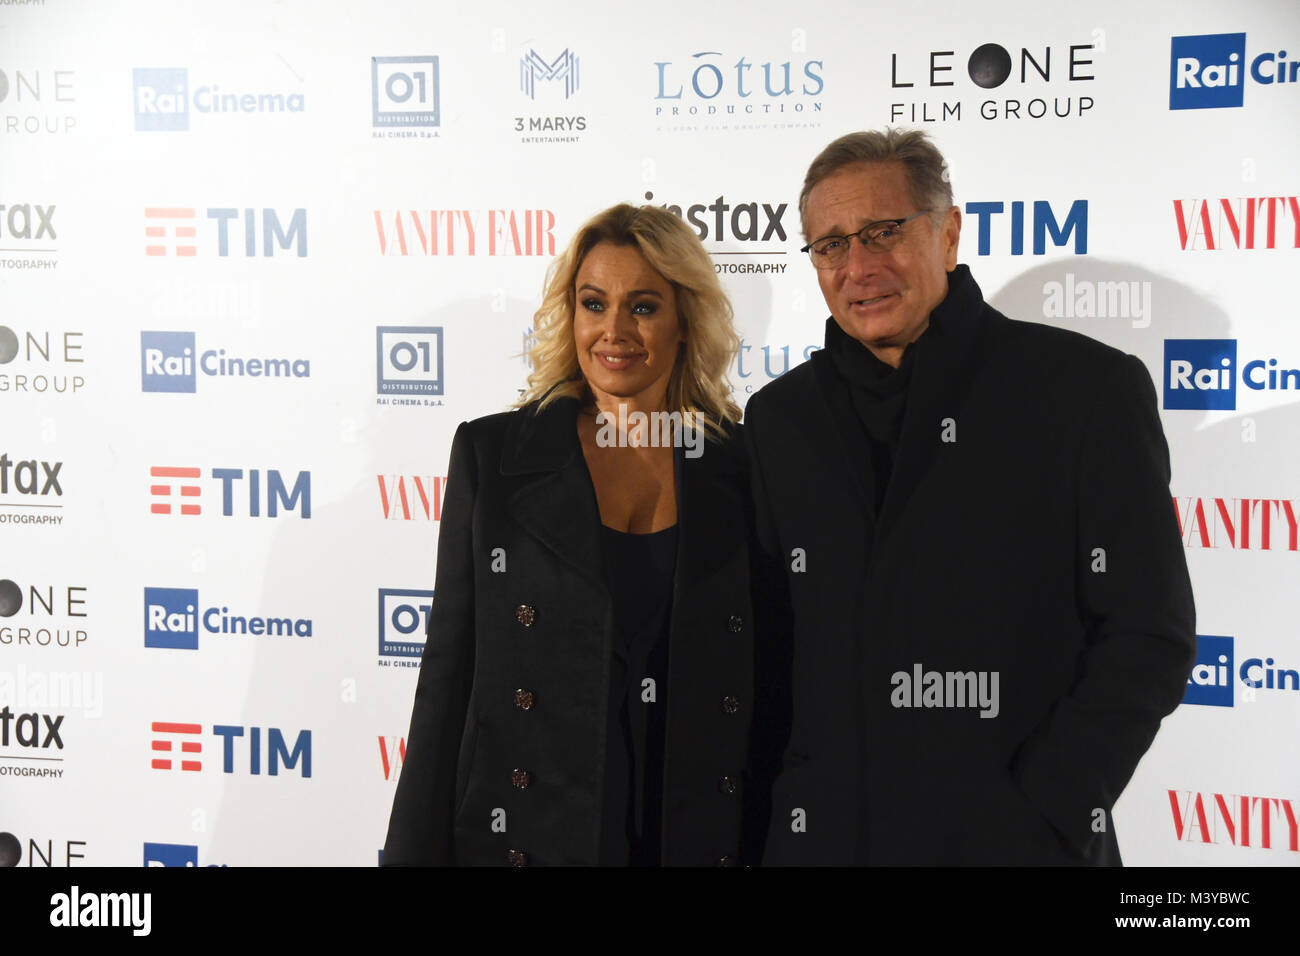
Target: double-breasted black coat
pixel 505 758
pixel 1027 531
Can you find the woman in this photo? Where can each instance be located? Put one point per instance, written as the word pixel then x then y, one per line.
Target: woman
pixel 585 694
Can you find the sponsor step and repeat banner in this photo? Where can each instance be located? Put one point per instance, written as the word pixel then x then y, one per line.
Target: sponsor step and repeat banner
pixel 258 261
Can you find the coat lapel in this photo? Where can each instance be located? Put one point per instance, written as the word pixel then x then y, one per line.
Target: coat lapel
pixel 710 516
pixel 941 378
pixel 830 427
pixel 556 502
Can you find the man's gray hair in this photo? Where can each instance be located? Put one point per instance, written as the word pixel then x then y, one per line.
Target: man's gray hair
pixel 926 169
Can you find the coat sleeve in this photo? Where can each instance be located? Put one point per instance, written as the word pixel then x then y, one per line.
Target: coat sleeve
pixel 420 827
pixel 1135 599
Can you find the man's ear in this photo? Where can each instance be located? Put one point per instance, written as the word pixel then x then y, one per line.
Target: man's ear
pixel 951 233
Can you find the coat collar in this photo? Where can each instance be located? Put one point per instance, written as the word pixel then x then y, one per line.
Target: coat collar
pixel 556 501
pixel 948 355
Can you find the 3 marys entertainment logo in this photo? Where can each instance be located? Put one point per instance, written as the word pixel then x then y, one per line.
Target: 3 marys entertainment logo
pixel 547 80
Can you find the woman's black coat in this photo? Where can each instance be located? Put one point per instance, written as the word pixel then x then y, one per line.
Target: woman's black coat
pixel 515 671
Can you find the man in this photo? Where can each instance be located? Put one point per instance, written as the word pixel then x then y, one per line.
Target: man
pixel 991 606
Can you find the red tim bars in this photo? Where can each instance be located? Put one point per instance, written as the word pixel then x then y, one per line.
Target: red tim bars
pixel 164 492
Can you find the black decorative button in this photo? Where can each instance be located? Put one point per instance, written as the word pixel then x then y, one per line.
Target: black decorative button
pixel 735 623
pixel 526 615
pixel 730 704
pixel 517 858
pixel 727 785
pixel 521 779
pixel 524 699
pixel 727 861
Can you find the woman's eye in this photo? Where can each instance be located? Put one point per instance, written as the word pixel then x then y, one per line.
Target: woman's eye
pixel 593 305
pixel 644 308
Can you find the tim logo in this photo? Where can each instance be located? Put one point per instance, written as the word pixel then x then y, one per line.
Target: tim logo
pixel 1045 224
pixel 1211 680
pixel 403 622
pixel 1200 373
pixel 162 493
pixel 173 230
pixel 404 91
pixel 534 67
pixel 162 98
pixel 279 496
pixel 409 360
pixel 167 361
pixel 392 751
pixel 171 618
pixel 167 733
pixel 170 854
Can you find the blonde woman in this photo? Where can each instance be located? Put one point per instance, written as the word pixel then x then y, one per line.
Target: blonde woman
pixel 586 691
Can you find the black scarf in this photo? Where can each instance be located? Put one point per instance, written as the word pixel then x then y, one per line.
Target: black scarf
pixel 878 393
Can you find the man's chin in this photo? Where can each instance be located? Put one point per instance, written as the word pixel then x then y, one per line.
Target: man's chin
pixel 873 333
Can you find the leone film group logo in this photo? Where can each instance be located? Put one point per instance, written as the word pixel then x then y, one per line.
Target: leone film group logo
pixel 44 362
pixel 1042 80
pixel 37 101
pixel 38 614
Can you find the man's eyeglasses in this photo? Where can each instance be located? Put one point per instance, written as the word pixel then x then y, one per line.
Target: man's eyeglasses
pixel 830 252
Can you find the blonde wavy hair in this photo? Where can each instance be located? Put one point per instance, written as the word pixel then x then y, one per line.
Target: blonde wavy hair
pixel 698 384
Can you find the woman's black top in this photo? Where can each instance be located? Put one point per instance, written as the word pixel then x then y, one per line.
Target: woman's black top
pixel 639 570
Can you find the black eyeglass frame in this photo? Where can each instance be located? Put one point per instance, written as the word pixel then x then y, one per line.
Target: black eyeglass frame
pixel 896 223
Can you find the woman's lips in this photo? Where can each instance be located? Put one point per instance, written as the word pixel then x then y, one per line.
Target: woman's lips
pixel 619 361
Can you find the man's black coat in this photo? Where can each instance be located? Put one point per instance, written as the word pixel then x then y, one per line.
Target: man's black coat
pixel 521 604
pixel 1027 529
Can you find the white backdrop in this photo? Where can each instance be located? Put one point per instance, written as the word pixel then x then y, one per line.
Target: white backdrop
pixel 229 179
